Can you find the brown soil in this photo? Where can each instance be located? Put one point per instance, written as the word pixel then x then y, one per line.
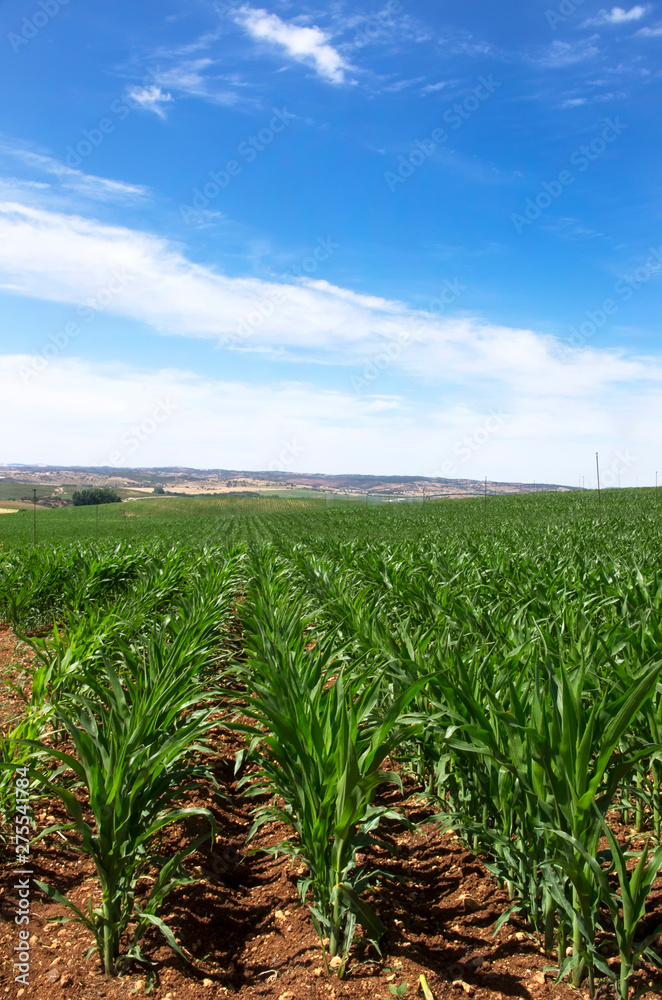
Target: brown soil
pixel 249 937
pixel 15 657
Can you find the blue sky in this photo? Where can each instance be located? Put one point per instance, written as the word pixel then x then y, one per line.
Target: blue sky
pixel 417 238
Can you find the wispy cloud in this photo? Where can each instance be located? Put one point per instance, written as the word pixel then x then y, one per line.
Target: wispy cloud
pixel 577 102
pixel 150 99
pixel 395 88
pixel 650 32
pixel 561 54
pixel 434 88
pixel 194 78
pixel 618 15
pixel 306 45
pixel 87 185
pixel 464 43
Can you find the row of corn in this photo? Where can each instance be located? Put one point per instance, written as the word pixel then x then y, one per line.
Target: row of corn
pixel 516 685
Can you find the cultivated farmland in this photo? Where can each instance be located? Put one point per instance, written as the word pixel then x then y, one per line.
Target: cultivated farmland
pixel 293 748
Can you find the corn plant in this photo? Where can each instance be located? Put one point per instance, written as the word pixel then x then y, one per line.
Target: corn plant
pixel 626 909
pixel 321 746
pixel 132 742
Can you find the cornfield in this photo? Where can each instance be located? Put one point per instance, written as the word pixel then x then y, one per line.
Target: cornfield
pixel 508 670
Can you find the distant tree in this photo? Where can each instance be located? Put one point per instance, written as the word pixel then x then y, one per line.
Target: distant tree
pixel 97 494
pixel 159 490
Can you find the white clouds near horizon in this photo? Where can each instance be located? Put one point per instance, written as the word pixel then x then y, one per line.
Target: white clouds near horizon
pixel 560 402
pixel 75 412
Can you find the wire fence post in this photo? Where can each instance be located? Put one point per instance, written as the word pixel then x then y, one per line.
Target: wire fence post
pixel 597 467
pixel 34 515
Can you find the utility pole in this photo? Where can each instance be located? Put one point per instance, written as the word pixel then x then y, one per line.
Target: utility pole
pixel 34 515
pixel 485 506
pixel 597 467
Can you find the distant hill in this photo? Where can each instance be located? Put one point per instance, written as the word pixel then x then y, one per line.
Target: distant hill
pixel 57 483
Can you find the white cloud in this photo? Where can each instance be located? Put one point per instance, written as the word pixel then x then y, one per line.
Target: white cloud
pixel 189 78
pixel 87 413
pixel 74 180
pixel 562 405
pixel 434 88
pixel 69 259
pixel 150 98
pixel 576 102
pixel 79 413
pixel 618 15
pixel 560 54
pixel 650 32
pixel 306 45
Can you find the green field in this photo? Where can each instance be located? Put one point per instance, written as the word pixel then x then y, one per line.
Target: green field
pixel 216 520
pixel 504 656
